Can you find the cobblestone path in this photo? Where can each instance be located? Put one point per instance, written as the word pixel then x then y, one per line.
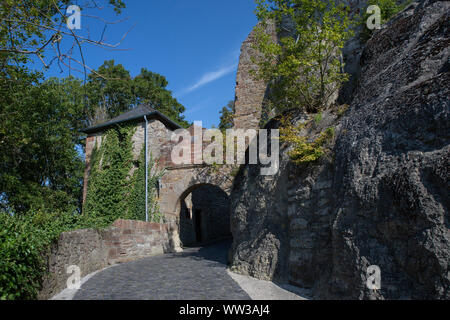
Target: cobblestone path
pixel 196 273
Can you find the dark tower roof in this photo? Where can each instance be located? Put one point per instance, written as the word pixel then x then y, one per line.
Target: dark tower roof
pixel 137 115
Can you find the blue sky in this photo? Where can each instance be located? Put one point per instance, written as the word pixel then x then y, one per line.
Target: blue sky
pixel 195 44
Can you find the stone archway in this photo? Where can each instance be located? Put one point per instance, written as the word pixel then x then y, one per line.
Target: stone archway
pixel 204 215
pixel 179 181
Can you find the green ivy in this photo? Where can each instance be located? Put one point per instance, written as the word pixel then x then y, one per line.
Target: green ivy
pixel 112 192
pixel 136 200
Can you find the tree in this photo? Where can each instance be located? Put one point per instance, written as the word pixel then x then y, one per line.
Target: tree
pixel 108 95
pixel 38 28
pixel 226 116
pixel 115 91
pixel 39 163
pixel 303 68
pixel 151 88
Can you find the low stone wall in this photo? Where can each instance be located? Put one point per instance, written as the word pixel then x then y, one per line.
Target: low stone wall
pixel 130 240
pixel 92 250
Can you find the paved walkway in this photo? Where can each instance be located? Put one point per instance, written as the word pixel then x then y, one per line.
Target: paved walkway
pixel 196 273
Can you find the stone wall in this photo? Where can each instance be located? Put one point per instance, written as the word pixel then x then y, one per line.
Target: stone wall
pixel 280 223
pixel 381 196
pixel 158 135
pixel 249 91
pixel 92 250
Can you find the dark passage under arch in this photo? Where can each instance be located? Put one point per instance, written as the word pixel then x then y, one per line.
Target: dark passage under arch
pixel 204 216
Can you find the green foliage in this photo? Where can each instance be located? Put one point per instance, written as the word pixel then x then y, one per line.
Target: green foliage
pixel 305 150
pixel 24 241
pixel 39 122
pixel 303 69
pixel 136 200
pixel 388 9
pixel 226 116
pixel 235 171
pixel 318 118
pixel 112 191
pixel 111 91
pixel 21 263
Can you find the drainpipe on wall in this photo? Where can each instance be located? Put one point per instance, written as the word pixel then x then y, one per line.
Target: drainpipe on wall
pixel 146 169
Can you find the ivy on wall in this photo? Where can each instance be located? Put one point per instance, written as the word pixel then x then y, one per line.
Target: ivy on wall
pixel 136 208
pixel 115 190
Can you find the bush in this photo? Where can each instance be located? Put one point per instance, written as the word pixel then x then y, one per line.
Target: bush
pixel 305 150
pixel 303 68
pixel 24 242
pixel 21 262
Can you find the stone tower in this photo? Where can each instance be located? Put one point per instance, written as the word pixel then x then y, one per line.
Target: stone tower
pixel 249 91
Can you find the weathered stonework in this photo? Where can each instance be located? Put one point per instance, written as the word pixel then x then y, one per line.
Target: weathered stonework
pixel 382 197
pixel 158 134
pixel 178 180
pixel 250 92
pixel 92 250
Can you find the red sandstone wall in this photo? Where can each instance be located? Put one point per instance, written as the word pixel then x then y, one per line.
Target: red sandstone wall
pixel 92 250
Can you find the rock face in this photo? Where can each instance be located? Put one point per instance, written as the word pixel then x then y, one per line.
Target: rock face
pixel 382 197
pixel 280 223
pixel 392 163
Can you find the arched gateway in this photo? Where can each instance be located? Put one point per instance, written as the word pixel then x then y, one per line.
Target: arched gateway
pixel 179 181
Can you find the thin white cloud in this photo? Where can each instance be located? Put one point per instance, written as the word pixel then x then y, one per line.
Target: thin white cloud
pixel 210 77
pixel 194 110
pixel 199 106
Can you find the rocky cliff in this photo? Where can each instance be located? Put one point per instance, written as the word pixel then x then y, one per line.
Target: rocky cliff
pixel 381 196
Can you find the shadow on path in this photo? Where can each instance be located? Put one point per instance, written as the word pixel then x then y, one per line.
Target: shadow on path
pixel 196 273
